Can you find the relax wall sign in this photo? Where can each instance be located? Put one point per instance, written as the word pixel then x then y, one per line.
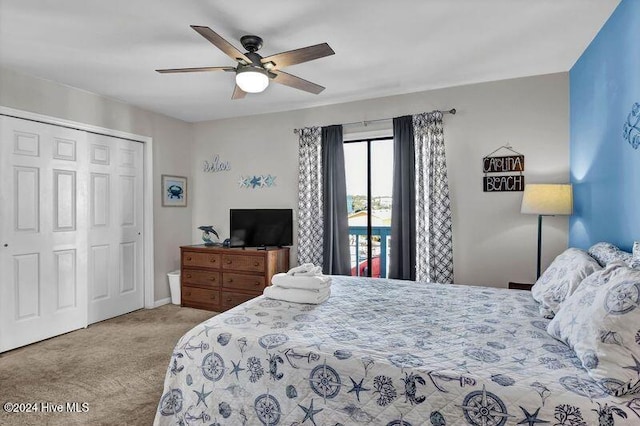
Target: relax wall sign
pixel 503 164
pixel 215 165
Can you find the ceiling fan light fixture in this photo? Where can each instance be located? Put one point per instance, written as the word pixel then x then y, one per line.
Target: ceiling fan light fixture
pixel 252 79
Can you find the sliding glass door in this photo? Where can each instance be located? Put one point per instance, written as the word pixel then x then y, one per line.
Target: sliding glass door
pixel 369 175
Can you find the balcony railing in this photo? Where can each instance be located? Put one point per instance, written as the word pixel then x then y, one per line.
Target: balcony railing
pixel 358 249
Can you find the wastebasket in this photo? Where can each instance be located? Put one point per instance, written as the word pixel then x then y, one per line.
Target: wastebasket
pixel 174 286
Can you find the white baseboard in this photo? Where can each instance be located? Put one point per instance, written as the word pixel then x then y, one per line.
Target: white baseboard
pixel 161 302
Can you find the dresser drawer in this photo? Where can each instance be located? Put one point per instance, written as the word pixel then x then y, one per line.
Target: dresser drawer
pixel 230 299
pixel 240 262
pixel 203 278
pixel 205 260
pixel 243 282
pixel 200 296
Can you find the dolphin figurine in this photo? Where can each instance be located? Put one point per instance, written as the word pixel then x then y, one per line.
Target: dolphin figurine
pixel 206 237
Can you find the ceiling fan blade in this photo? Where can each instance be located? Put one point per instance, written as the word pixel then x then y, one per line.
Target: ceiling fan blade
pixel 221 43
pixel 299 56
pixel 296 82
pixel 238 93
pixel 200 69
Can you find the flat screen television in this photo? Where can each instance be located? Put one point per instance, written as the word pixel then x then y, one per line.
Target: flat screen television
pixel 261 227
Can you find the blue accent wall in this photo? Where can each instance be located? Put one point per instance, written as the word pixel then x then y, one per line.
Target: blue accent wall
pixel 605 168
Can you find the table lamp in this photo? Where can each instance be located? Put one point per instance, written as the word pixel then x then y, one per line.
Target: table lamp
pixel 546 200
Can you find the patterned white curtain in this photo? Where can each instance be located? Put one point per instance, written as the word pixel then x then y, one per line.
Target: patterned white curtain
pixel 434 246
pixel 310 217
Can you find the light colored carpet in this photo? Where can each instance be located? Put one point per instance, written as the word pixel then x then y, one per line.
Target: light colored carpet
pixel 116 366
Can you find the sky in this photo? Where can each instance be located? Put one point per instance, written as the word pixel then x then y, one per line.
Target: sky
pixel 355 158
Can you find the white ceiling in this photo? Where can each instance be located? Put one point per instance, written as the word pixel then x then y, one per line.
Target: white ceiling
pixel 382 47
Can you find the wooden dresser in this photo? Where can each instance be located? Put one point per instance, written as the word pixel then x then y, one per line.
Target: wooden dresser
pixel 218 279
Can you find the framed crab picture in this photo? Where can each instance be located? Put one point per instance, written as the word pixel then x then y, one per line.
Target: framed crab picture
pixel 174 191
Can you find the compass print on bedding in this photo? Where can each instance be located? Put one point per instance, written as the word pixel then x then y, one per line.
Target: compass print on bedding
pixel 171 402
pixel 623 298
pixel 213 367
pixel 267 409
pixel 325 381
pixel 482 408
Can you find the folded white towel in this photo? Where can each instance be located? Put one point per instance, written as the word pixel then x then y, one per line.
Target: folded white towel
pixel 316 270
pixel 306 269
pixel 315 283
pixel 297 295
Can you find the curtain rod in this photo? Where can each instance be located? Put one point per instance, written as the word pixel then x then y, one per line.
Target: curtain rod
pixel 452 111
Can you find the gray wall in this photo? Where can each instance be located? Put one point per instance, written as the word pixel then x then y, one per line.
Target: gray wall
pixel 171 150
pixel 493 242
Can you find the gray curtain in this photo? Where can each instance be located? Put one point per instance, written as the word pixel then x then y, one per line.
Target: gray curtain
pixel 336 228
pixel 310 210
pixel 403 221
pixel 434 246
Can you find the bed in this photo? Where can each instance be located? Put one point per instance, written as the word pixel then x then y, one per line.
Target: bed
pixel 384 352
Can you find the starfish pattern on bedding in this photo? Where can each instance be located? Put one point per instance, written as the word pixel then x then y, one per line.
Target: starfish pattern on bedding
pixel 236 369
pixel 206 330
pixel 201 396
pixel 309 412
pixel 357 388
pixel 531 419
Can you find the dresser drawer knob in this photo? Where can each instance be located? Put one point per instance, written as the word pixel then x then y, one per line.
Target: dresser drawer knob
pixel 188 293
pixel 212 260
pixel 229 280
pixel 213 296
pixel 256 263
pixel 212 279
pixel 229 300
pixel 188 257
pixel 188 275
pixel 257 283
pixel 229 261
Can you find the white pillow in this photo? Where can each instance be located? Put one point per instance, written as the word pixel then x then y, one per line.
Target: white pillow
pixel 600 321
pixel 635 263
pixel 561 279
pixel 606 253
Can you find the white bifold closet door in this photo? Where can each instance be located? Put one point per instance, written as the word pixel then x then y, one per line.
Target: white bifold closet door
pixel 71 219
pixel 43 231
pixel 115 227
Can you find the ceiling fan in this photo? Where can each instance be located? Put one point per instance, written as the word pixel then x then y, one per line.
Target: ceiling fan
pixel 253 72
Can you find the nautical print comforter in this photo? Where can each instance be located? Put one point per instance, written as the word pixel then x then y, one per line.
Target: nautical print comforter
pixel 384 352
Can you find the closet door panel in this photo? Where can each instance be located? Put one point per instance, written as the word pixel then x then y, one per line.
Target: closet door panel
pixel 43 231
pixel 115 235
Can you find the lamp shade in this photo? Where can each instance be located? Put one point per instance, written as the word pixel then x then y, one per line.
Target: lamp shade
pixel 547 199
pixel 252 79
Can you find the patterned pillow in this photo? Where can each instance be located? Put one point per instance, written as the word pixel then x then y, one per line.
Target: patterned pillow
pixel 600 321
pixel 606 253
pixel 561 279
